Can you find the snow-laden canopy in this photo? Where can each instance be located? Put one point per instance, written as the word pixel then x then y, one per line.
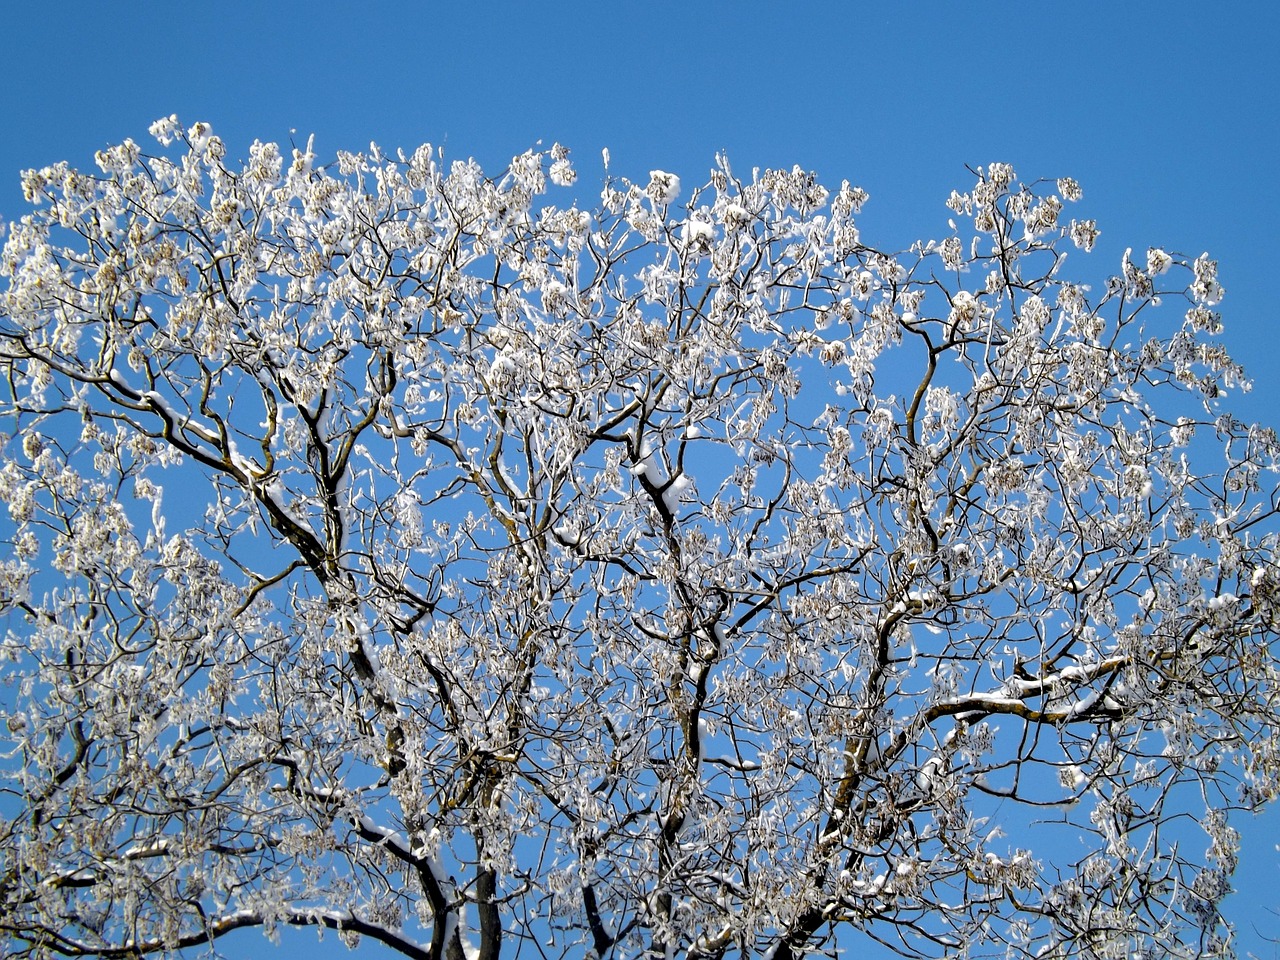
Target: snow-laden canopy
pixel 392 550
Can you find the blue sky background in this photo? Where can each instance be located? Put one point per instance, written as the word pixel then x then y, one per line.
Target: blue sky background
pixel 1167 113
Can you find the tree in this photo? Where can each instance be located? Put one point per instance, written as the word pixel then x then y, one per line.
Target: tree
pixel 390 553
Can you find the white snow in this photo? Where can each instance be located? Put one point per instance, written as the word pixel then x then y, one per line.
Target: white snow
pixel 674 491
pixel 663 187
pixel 166 410
pixel 696 233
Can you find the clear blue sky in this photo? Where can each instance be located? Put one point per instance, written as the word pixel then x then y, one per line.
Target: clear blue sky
pixel 1167 113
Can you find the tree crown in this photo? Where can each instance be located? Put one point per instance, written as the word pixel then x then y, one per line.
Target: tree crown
pixel 396 552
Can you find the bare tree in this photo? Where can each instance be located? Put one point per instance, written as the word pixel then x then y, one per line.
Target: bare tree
pixel 391 553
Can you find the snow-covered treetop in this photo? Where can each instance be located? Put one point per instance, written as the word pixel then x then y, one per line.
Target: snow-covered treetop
pixel 394 550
